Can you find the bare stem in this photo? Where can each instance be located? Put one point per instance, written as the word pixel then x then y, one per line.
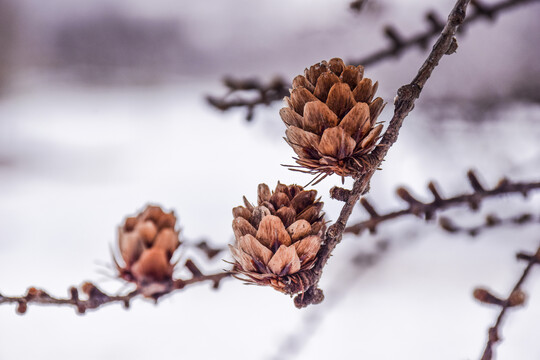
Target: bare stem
pixel 96 297
pixel 404 103
pixel 427 210
pixel 493 332
pixel 399 44
pixel 276 89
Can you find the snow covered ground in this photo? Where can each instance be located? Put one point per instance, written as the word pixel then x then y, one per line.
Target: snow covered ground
pixel 76 160
pixel 83 159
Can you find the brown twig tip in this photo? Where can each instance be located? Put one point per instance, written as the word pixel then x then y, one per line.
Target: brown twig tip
pixel 339 193
pixel 432 187
pixel 396 39
pixel 21 307
pixel 313 296
pixel 447 224
pixel 416 206
pixel 486 297
pixel 516 298
pixel 369 207
pixel 435 21
pixel 193 269
pixel 475 183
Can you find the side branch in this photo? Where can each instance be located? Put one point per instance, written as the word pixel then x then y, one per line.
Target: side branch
pixel 275 90
pixel 490 222
pixel 428 210
pixel 265 94
pixel 404 104
pixel 516 298
pixel 96 297
pixel 399 44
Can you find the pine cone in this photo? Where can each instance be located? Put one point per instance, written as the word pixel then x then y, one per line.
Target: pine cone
pixel 147 243
pixel 278 240
pixel 331 118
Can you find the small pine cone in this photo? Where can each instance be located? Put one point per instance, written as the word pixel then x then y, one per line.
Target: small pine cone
pixel 279 239
pixel 146 244
pixel 331 117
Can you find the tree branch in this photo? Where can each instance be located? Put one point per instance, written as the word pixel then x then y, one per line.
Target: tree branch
pixel 516 298
pixel 276 89
pixel 404 104
pixel 96 297
pixel 490 222
pixel 428 210
pixel 265 94
pixel 399 44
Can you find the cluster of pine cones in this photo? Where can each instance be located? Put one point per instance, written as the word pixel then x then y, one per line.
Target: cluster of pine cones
pixel 331 125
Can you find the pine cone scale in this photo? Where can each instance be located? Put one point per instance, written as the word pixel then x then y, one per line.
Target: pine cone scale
pixel 285 261
pixel 340 99
pixel 324 84
pixel 356 121
pixel 299 97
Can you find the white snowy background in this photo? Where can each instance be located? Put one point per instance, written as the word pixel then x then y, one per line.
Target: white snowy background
pixel 77 156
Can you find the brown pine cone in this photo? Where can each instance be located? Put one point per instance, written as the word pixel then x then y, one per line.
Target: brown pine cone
pixel 146 243
pixel 278 240
pixel 331 119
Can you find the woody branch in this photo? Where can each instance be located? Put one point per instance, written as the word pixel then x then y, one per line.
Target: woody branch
pixel 96 297
pixel 446 44
pixel 277 88
pixel 427 210
pixel 516 298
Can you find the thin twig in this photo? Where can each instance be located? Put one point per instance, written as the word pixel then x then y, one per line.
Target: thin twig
pixel 96 297
pixel 515 298
pixel 490 222
pixel 209 250
pixel 398 44
pixel 275 90
pixel 265 94
pixel 428 210
pixel 404 104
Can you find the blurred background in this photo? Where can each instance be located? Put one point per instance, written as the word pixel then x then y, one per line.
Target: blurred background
pixel 103 110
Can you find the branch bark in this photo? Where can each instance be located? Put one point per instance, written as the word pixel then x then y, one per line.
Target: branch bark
pixel 276 90
pixel 427 210
pixel 96 297
pixel 493 332
pixel 404 103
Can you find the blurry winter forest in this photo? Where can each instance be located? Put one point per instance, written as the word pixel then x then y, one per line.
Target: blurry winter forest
pixel 104 108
